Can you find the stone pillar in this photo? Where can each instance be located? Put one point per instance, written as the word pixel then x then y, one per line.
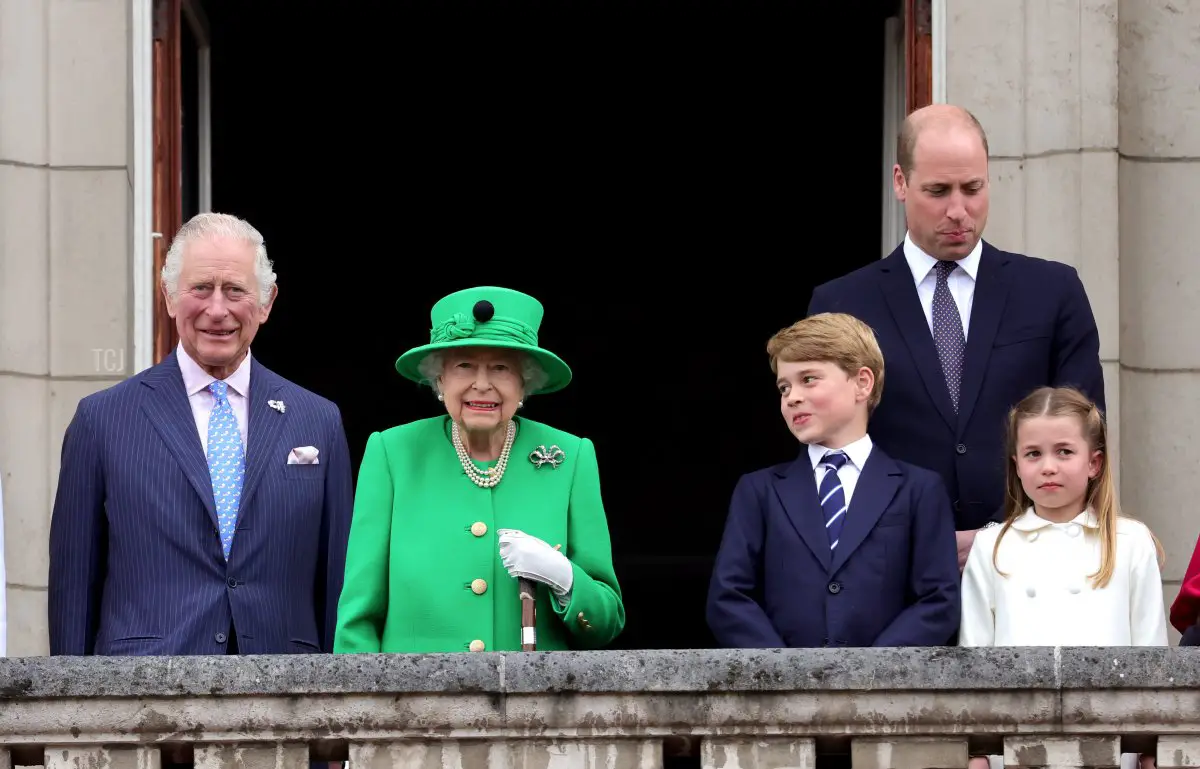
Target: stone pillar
pixel 65 210
pixel 96 757
pixel 1042 79
pixel 1160 275
pixel 908 753
pixel 1178 752
pixel 510 754
pixel 250 756
pixel 754 752
pixel 1039 752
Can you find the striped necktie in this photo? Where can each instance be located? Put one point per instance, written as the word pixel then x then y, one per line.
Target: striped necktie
pixel 833 497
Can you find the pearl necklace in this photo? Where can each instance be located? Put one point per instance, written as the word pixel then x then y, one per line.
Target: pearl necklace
pixel 484 479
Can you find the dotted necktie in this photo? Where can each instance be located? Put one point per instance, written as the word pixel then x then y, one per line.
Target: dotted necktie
pixel 226 462
pixel 948 331
pixel 833 497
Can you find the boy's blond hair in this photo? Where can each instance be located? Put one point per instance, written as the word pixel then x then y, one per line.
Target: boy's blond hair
pixel 831 337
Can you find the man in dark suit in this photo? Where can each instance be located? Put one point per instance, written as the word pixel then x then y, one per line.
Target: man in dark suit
pixel 844 546
pixel 967 330
pixel 203 505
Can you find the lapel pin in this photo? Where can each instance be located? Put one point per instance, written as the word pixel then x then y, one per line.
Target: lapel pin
pixel 552 456
pixel 277 405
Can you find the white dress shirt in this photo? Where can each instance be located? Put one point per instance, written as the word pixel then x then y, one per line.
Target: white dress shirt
pixel 856 452
pixel 195 384
pixel 1048 598
pixel 961 282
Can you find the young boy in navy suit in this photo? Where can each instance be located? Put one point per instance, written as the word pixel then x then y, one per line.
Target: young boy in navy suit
pixel 844 546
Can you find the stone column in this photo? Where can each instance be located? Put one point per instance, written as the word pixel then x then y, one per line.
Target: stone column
pixel 758 752
pixel 1042 79
pixel 1042 752
pixel 1160 273
pixel 65 209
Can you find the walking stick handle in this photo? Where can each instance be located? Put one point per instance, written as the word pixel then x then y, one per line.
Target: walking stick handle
pixel 528 591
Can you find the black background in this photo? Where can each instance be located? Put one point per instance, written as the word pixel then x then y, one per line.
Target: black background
pixel 671 180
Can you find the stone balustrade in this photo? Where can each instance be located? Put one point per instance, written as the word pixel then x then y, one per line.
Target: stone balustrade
pixel 1073 708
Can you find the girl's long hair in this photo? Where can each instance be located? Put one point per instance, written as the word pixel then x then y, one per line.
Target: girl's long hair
pixel 1101 497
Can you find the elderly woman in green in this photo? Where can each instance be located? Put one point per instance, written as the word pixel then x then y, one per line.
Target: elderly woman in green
pixel 449 511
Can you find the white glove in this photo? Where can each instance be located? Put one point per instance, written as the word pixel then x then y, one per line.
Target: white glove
pixel 528 557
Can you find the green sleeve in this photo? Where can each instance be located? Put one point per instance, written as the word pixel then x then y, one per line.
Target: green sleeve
pixel 362 608
pixel 596 613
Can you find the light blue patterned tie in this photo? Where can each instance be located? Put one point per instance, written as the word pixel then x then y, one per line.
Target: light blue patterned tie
pixel 226 462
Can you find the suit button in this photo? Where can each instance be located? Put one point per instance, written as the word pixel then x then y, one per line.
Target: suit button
pixel 219 638
pixel 479 528
pixel 476 645
pixel 957 506
pixel 961 448
pixel 231 582
pixel 479 587
pixel 835 587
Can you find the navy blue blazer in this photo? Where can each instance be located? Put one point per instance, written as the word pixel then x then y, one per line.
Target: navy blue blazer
pixel 892 581
pixel 136 566
pixel 1031 325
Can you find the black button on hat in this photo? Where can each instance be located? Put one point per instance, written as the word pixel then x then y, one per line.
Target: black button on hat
pixel 483 311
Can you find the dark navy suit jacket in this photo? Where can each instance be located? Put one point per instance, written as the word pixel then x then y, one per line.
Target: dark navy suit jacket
pixel 135 558
pixel 1031 325
pixel 892 580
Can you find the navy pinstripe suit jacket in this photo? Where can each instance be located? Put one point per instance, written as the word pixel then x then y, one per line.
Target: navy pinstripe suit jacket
pixel 135 559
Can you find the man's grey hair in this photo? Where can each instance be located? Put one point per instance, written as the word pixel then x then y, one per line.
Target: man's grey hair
pixel 532 374
pixel 212 225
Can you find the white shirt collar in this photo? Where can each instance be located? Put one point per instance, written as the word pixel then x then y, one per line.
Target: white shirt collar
pixel 856 451
pixel 921 263
pixel 1031 521
pixel 196 379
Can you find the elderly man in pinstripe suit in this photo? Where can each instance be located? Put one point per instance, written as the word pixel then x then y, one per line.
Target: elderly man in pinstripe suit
pixel 204 504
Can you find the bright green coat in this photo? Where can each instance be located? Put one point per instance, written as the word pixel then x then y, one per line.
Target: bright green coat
pixel 413 554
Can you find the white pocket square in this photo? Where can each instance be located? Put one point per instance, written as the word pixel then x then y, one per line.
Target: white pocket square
pixel 304 455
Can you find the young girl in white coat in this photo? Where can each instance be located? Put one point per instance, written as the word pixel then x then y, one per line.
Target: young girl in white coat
pixel 1065 568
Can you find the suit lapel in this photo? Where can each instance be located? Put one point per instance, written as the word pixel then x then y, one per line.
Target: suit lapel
pixel 797 491
pixel 167 408
pixel 901 295
pixel 265 426
pixel 876 487
pixel 991 294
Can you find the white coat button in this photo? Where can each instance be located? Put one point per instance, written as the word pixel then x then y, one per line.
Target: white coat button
pixel 1073 530
pixel 1030 591
pixel 1074 589
pixel 1033 537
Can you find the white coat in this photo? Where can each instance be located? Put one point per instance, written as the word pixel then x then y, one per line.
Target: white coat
pixel 1047 597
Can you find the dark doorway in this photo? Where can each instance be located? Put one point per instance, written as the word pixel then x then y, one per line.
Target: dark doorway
pixel 671 180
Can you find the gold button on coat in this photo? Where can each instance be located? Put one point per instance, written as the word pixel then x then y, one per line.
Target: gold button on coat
pixel 476 645
pixel 479 528
pixel 479 587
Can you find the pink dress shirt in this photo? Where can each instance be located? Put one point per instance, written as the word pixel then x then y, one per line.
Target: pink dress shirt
pixel 195 384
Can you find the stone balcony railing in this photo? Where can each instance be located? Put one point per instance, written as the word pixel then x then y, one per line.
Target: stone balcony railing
pixel 753 709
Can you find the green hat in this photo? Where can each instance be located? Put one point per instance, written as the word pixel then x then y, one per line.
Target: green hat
pixel 487 317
